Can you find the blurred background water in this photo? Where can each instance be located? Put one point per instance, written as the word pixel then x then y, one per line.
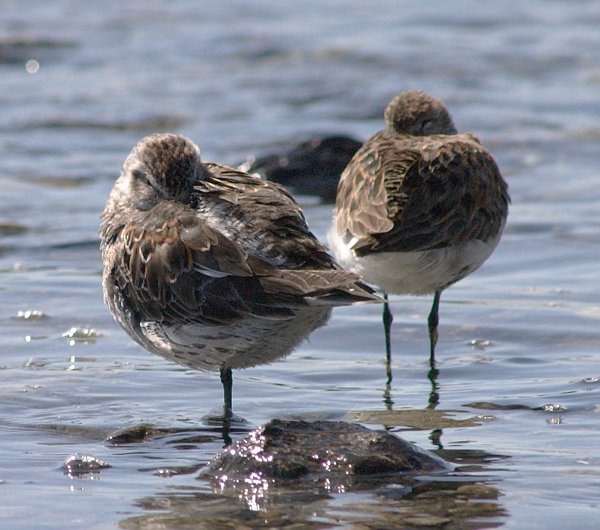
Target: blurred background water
pixel 515 401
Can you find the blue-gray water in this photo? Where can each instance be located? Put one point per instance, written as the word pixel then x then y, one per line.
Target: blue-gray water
pixel 519 349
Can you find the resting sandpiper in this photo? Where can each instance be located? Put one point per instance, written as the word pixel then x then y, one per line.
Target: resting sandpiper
pixel 419 206
pixel 211 267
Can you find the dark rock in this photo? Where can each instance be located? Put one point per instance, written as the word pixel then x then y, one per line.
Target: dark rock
pixel 83 466
pixel 311 167
pixel 131 435
pixel 182 438
pixel 286 450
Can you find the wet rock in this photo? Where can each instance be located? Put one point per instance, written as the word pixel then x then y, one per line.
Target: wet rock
pixel 291 450
pixel 83 466
pixel 312 167
pixel 131 435
pixel 81 335
pixel 30 314
pixel 143 432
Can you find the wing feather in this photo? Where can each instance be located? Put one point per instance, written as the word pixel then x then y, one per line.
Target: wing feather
pixel 405 193
pixel 174 264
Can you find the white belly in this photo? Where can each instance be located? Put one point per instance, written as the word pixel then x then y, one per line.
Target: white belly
pixel 418 273
pixel 240 344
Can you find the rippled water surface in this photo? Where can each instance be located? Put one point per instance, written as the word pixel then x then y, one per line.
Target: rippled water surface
pixel 515 398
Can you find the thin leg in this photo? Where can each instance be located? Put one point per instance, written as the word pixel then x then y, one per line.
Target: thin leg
pixel 227 381
pixel 433 325
pixel 388 318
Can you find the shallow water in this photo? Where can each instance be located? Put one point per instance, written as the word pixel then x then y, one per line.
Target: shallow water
pixel 515 399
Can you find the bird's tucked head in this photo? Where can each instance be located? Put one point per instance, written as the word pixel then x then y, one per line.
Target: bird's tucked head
pixel 161 166
pixel 418 114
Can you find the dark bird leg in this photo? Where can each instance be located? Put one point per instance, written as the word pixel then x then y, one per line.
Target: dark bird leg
pixel 227 381
pixel 388 318
pixel 433 325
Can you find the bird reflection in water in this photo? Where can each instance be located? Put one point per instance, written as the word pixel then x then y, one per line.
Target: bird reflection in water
pixel 211 267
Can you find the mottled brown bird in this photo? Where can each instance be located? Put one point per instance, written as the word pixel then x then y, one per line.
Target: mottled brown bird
pixel 211 267
pixel 419 206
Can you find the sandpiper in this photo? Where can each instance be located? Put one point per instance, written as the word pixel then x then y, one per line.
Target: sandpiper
pixel 419 206
pixel 211 267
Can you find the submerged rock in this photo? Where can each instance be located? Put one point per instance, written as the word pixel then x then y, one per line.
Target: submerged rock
pixel 311 167
pixel 330 450
pixel 83 466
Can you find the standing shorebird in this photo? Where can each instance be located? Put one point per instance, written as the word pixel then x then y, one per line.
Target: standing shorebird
pixel 210 267
pixel 419 206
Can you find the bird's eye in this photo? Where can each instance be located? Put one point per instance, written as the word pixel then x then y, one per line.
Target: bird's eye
pixel 426 125
pixel 138 174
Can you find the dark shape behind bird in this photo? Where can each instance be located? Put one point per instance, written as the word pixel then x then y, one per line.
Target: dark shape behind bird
pixel 312 167
pixel 211 267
